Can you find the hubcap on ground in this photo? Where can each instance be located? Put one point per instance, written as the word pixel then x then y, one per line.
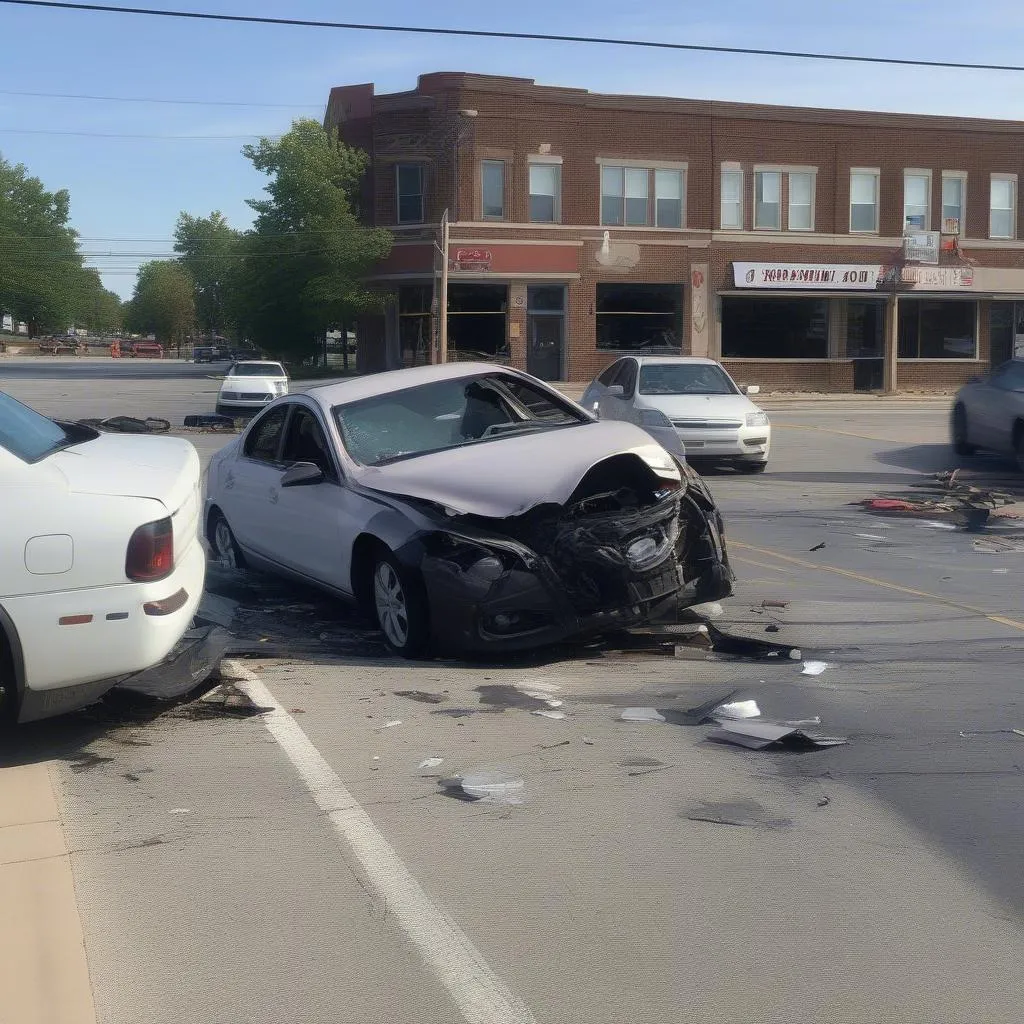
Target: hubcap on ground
pixel 389 598
pixel 224 543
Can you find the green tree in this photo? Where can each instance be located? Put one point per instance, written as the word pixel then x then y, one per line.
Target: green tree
pixel 95 308
pixel 163 303
pixel 304 262
pixel 42 279
pixel 210 251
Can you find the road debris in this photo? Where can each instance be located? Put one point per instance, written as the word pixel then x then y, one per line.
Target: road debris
pixel 641 715
pixel 824 801
pixel 552 746
pixel 990 732
pixel 556 715
pixel 392 723
pixel 814 668
pixel 737 709
pixel 761 735
pixel 192 661
pixel 817 547
pixel 421 696
pixel 647 771
pixel 588 741
pixel 210 422
pixel 741 813
pixel 774 603
pixel 129 425
pixel 748 647
pixel 429 762
pixel 712 610
pixel 816 720
pixel 493 787
pixel 772 627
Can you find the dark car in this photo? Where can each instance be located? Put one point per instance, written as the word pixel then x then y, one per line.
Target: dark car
pixel 467 507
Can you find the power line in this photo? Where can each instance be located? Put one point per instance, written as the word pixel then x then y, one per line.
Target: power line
pixel 154 99
pixel 249 19
pixel 109 135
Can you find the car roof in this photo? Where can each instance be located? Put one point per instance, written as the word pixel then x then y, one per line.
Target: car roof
pixel 329 395
pixel 651 360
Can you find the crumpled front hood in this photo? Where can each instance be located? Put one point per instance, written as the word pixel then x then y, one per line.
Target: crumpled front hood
pixel 509 476
pixel 163 468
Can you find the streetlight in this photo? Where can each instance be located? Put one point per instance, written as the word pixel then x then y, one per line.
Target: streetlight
pixel 461 128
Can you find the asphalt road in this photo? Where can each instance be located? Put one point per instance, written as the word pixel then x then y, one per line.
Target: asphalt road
pixel 299 865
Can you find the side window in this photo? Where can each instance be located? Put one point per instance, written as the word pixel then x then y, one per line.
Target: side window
pixel 608 375
pixel 1009 376
pixel 627 378
pixel 304 442
pixel 261 444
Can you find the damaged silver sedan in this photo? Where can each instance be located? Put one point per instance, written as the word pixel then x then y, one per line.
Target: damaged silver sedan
pixel 467 508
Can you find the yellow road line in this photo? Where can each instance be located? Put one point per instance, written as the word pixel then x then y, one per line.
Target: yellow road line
pixel 844 433
pixel 1002 620
pixel 761 565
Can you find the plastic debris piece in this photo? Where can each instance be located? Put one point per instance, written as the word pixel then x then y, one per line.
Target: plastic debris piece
pixel 712 610
pixel 491 787
pixel 817 547
pixel 557 715
pixel 430 762
pixel 392 723
pixel 589 742
pixel 824 801
pixel 641 715
pixel 748 647
pixel 737 709
pixel 774 603
pixel 814 668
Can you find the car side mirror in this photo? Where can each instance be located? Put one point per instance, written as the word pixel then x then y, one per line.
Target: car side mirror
pixel 752 389
pixel 302 474
pixel 615 391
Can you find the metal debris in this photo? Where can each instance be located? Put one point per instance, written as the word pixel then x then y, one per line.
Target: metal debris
pixel 814 668
pixel 747 647
pixel 737 709
pixel 760 735
pixel 641 715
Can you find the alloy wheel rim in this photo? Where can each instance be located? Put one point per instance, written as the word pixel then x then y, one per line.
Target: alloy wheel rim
pixel 392 610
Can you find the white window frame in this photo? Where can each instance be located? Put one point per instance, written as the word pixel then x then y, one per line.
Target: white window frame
pixel 543 159
pixel 1012 178
pixel 398 192
pixel 731 168
pixel 960 176
pixel 812 173
pixel 758 171
pixel 651 167
pixel 918 172
pixel 876 173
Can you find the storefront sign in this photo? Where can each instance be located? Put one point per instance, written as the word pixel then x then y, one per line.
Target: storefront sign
pixel 921 246
pixel 938 277
pixel 473 260
pixel 832 276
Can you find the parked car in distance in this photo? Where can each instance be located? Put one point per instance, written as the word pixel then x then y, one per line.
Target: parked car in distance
pixel 251 385
pixel 466 506
pixel 145 349
pixel 209 354
pixel 101 565
pixel 238 355
pixel 988 412
pixel 688 401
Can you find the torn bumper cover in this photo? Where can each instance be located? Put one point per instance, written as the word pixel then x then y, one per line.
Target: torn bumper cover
pixel 602 562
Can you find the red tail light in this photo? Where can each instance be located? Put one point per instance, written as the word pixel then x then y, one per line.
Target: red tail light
pixel 151 552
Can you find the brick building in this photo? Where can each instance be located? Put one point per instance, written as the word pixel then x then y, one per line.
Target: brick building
pixel 810 249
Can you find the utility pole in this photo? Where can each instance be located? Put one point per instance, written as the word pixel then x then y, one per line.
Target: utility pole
pixel 442 311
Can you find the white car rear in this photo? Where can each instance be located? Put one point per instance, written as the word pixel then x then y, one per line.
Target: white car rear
pixel 101 566
pixel 252 385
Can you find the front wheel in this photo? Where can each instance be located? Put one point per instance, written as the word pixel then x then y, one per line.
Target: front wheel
pixel 961 445
pixel 400 607
pixel 1018 448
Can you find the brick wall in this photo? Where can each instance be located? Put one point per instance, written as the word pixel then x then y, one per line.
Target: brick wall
pixel 824 375
pixel 931 375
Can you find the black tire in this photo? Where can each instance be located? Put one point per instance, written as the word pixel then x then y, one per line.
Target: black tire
pixel 399 605
pixel 751 467
pixel 1018 447
pixel 8 689
pixel 224 548
pixel 959 432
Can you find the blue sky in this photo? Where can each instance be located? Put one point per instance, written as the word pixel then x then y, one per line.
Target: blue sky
pixel 126 193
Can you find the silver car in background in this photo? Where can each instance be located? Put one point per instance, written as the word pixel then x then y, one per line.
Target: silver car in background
pixel 988 412
pixel 689 405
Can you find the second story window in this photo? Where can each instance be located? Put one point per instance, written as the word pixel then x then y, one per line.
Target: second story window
pixel 732 199
pixel 545 193
pixel 669 197
pixel 626 196
pixel 801 201
pixel 409 188
pixel 1002 206
pixel 492 189
pixel 864 201
pixel 953 188
pixel 768 200
pixel 917 187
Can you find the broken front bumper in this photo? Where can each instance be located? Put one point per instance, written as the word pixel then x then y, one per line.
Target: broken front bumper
pixel 491 593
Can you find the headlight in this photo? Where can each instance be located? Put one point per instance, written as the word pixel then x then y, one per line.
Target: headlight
pixel 757 419
pixel 654 418
pixel 280 387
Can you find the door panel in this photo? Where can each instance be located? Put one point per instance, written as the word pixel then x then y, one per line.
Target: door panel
pixel 250 481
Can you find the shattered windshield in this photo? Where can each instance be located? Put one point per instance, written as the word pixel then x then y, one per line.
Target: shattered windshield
pixel 26 434
pixel 448 414
pixel 685 379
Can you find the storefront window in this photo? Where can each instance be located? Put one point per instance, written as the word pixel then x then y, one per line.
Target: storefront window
pixel 477 321
pixel 639 316
pixel 774 328
pixel 864 330
pixel 414 323
pixel 937 329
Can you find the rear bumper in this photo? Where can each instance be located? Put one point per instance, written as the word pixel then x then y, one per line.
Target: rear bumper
pixel 69 666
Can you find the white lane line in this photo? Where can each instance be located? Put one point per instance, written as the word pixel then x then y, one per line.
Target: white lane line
pixel 448 952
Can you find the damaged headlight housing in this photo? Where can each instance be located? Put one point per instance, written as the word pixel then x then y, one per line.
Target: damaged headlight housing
pixel 757 419
pixel 475 557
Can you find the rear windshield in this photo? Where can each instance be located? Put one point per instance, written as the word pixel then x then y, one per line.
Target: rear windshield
pixel 257 370
pixel 27 434
pixel 685 379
